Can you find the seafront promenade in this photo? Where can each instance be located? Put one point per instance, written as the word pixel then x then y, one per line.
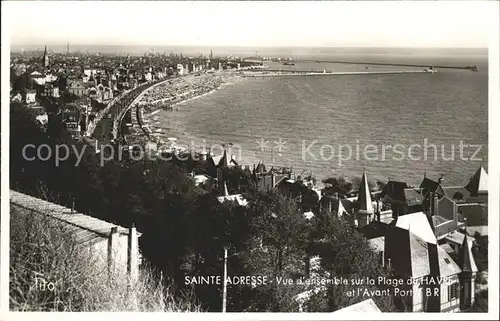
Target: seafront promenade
pixel 164 94
pixel 117 121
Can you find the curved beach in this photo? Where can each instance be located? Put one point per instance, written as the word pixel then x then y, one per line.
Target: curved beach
pixel 172 93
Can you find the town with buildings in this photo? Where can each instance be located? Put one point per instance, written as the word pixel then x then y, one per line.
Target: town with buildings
pixel 77 86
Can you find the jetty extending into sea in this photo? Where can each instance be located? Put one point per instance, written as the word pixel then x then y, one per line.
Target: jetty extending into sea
pixel 468 67
pixel 277 73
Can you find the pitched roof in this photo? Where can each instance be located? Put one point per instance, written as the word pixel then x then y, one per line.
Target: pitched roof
pixel 339 208
pixel 363 306
pixel 77 84
pixel 465 258
pixel 364 196
pixel 451 191
pixel 419 253
pixel 375 229
pixel 261 168
pixel 395 190
pixel 410 254
pixel 428 185
pixel 447 247
pixel 479 182
pixel 458 238
pixel 447 265
pixel 418 224
pixel 224 162
pixel 413 196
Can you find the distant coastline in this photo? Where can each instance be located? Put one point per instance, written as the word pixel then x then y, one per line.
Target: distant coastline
pixel 239 50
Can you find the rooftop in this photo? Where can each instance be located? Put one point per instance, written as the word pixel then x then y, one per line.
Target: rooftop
pixel 479 182
pixel 364 306
pixel 419 225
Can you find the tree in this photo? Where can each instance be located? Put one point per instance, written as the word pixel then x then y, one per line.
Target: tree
pixel 337 185
pixel 458 196
pixel 276 247
pixel 480 251
pixel 346 253
pixel 481 303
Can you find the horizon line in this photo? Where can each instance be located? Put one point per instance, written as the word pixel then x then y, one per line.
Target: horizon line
pixel 240 46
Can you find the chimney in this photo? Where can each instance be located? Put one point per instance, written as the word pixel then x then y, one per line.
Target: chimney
pixel 378 210
pixel 440 180
pixel 434 204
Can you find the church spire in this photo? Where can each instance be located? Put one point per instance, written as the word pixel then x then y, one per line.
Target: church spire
pixel 478 183
pixel 45 61
pixel 364 197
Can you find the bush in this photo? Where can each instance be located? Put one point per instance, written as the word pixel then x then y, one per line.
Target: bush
pixel 44 250
pixel 480 303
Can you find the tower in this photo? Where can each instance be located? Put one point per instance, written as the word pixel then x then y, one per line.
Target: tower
pixel 45 59
pixel 467 276
pixel 225 191
pixel 478 184
pixel 365 207
pixel 222 166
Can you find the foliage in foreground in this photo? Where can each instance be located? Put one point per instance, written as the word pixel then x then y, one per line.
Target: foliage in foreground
pixel 480 303
pixel 184 229
pixel 50 271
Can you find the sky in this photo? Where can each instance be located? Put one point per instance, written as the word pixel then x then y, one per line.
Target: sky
pixel 250 24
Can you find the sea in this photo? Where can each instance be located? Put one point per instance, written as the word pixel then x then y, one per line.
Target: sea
pixel 394 126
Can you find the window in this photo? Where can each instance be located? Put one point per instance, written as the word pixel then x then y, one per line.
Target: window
pixel 452 291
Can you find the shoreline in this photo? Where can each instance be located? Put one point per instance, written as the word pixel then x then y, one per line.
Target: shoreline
pixel 147 110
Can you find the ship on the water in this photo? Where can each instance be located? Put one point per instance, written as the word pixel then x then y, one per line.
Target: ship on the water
pixel 288 64
pixel 431 70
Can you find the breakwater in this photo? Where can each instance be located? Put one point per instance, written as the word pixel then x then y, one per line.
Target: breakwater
pixel 275 73
pixel 470 67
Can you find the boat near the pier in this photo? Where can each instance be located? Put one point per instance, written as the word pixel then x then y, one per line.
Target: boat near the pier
pixel 431 70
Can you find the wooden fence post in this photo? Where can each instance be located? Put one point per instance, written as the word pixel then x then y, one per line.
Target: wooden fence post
pixel 132 256
pixel 112 248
